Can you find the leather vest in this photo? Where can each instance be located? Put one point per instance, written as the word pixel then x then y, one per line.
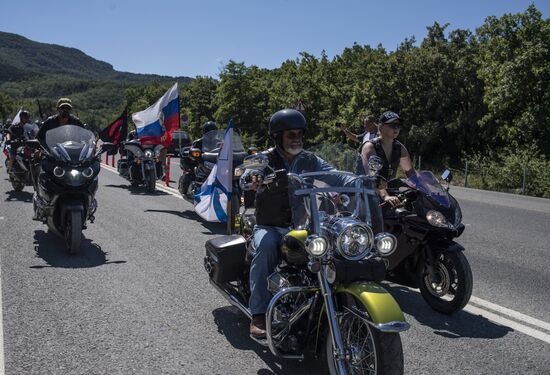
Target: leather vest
pixel 272 201
pixel 389 169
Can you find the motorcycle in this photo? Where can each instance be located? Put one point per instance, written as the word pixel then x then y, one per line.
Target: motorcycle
pixel 327 300
pixel 426 223
pixel 20 175
pixel 141 164
pixel 67 181
pixel 197 163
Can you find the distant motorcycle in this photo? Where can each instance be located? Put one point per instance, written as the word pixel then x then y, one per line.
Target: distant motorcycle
pixel 67 181
pixel 197 163
pixel 141 164
pixel 20 175
pixel 426 223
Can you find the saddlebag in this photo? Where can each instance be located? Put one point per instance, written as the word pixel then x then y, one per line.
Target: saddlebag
pixel 225 258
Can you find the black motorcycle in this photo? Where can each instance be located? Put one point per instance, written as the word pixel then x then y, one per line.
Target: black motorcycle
pixel 141 164
pixel 67 181
pixel 326 297
pixel 20 175
pixel 426 223
pixel 197 163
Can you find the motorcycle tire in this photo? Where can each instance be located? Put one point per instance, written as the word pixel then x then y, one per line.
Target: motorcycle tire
pixel 380 353
pixel 150 181
pixel 73 232
pixel 454 275
pixel 17 186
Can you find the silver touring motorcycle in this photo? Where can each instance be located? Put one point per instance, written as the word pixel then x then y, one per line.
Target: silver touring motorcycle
pixel 327 300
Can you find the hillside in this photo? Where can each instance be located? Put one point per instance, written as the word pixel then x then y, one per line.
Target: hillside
pixel 31 70
pixel 21 58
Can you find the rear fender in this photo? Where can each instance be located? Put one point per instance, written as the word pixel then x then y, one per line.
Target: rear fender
pixel 383 310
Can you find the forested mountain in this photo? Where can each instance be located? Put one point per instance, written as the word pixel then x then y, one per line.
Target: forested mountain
pixel 31 71
pixel 21 58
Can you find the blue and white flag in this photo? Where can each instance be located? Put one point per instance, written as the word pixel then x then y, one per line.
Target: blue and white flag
pixel 211 201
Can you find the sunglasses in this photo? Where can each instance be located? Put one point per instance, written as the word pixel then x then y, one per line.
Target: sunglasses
pixel 294 134
pixel 395 126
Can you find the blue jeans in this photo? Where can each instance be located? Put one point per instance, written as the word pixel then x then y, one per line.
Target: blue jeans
pixel 266 242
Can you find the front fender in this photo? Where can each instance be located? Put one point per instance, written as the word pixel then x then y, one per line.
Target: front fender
pixel 383 309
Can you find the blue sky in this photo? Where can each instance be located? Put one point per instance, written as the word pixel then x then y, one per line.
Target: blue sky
pixel 193 38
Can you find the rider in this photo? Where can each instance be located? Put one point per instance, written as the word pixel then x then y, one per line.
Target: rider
pixel 16 132
pixel 206 127
pixel 273 212
pixel 390 150
pixel 370 131
pixel 63 117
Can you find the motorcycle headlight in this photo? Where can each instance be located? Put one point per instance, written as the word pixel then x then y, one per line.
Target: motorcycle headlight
pixel 316 246
pixel 58 172
pixel 385 243
pixel 437 219
pixel 88 172
pixel 74 173
pixel 355 241
pixel 148 153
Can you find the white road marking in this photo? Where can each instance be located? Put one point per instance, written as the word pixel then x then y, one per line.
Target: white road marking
pixel 508 323
pixel 510 313
pixel 476 306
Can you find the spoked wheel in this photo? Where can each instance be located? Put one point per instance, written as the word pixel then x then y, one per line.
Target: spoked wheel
pixel 150 181
pixel 450 288
pixel 368 351
pixel 73 232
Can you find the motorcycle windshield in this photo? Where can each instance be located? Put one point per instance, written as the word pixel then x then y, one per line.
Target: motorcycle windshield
pixel 426 182
pixel 213 141
pixel 70 143
pixel 30 130
pixel 317 198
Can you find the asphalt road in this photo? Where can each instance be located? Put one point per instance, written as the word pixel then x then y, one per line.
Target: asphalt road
pixel 137 299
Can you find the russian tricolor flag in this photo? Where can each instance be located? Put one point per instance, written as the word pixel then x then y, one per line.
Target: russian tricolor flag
pixel 155 124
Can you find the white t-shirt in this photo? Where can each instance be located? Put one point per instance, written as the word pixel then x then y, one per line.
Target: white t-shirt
pixel 368 136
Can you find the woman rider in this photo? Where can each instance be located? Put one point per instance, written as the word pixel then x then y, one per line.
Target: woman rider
pixel 392 152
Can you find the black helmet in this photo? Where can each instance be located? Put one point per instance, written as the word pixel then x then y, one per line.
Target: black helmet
pixel 24 113
pixel 286 119
pixel 209 126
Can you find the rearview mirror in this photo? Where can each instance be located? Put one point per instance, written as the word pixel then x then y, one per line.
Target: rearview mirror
pixel 447 175
pixel 375 163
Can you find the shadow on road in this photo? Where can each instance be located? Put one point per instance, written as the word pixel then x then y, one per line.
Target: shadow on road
pixel 21 196
pixel 214 228
pixel 234 326
pixel 137 190
pixel 460 324
pixel 51 249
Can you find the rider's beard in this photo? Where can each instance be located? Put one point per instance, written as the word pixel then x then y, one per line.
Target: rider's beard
pixel 294 149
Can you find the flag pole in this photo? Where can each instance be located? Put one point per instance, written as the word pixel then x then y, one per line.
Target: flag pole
pixel 229 216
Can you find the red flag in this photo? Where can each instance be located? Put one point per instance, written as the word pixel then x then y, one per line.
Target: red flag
pixel 117 131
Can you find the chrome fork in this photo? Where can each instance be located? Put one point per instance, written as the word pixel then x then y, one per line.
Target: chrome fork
pixel 337 343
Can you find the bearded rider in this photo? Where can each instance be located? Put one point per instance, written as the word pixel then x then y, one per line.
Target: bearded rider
pixel 273 211
pixel 63 117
